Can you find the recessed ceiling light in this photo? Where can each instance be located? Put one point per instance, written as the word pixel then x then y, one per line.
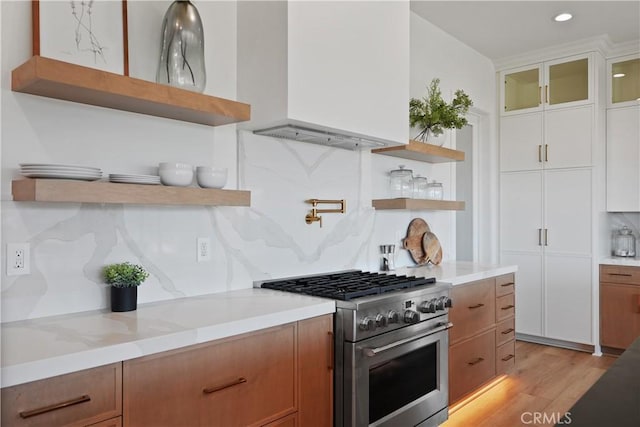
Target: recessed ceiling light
pixel 561 17
pixel 617 75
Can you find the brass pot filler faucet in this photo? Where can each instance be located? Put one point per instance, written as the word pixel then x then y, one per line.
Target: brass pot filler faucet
pixel 313 215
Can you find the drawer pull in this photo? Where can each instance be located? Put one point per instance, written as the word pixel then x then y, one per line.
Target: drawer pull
pixel 509 357
pixel 504 285
pixel 507 307
pixel 476 361
pixel 471 307
pixel 507 331
pixel 213 389
pixel 55 407
pixel 621 274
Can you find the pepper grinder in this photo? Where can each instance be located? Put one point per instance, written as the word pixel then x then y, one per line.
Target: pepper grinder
pixel 388 257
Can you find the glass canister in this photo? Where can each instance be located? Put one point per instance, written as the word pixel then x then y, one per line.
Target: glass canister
pixel 434 190
pixel 624 243
pixel 401 183
pixel 420 187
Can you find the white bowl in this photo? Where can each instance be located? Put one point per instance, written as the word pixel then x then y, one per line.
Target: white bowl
pixel 174 165
pixel 211 177
pixel 176 177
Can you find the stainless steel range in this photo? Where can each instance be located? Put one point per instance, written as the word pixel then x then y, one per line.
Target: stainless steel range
pixel 391 348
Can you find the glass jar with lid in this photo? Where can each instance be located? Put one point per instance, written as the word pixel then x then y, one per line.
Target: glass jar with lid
pixel 434 190
pixel 624 243
pixel 401 183
pixel 420 187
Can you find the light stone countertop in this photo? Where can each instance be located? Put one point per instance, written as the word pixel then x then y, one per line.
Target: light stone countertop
pixel 630 262
pixel 46 347
pixel 458 272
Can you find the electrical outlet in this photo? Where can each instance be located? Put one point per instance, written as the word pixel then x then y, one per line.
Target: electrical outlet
pixel 203 249
pixel 18 259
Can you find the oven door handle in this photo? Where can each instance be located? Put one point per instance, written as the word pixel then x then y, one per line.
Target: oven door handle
pixel 374 351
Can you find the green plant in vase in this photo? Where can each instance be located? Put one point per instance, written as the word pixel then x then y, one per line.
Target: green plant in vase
pixel 124 279
pixel 432 114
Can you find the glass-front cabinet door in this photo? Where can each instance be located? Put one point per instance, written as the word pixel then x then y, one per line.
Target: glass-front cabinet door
pixel 565 82
pixel 521 91
pixel 624 81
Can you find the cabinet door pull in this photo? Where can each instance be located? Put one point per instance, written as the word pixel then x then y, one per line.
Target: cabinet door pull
pixel 620 274
pixel 546 237
pixel 507 331
pixel 539 153
pixel 475 361
pixel 330 364
pixel 507 307
pixel 504 285
pixel 539 236
pixel 546 152
pixel 55 406
pixel 539 95
pixel 509 357
pixel 213 389
pixel 471 307
pixel 546 94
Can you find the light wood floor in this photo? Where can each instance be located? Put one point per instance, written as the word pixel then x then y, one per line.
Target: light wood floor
pixel 546 379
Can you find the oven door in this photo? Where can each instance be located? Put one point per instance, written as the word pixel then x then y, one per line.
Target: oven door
pixel 399 378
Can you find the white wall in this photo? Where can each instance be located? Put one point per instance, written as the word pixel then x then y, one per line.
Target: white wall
pixel 70 243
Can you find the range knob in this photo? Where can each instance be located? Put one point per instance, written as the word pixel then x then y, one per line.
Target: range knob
pixel 393 316
pixel 381 321
pixel 368 324
pixel 440 303
pixel 411 316
pixel 428 306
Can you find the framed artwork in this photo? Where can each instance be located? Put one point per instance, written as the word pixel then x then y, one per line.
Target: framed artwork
pixel 91 33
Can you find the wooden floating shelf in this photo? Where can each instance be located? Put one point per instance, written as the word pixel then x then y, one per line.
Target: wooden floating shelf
pixel 422 152
pixel 62 190
pixel 70 82
pixel 418 204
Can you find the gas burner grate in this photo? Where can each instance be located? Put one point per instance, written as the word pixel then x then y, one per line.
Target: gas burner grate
pixel 349 285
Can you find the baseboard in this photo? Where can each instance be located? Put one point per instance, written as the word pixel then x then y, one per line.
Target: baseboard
pixel 556 343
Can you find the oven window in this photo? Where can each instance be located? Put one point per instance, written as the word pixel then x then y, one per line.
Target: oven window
pixel 402 380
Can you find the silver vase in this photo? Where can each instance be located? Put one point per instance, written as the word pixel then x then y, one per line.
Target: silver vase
pixel 182 49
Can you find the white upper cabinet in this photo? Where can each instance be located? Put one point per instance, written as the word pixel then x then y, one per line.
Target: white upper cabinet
pixel 623 80
pixel 623 159
pixel 336 65
pixel 560 83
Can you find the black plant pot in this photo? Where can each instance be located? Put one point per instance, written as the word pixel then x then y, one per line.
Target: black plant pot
pixel 124 299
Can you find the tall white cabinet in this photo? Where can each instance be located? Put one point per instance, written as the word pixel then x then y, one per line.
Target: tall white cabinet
pixel 547 129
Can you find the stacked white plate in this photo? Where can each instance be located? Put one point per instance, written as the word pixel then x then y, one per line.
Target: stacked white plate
pixel 46 170
pixel 134 179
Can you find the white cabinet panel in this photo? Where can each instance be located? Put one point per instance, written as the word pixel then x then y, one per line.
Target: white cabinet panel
pixel 568 137
pixel 528 291
pixel 521 211
pixel 520 142
pixel 568 211
pixel 623 159
pixel 568 298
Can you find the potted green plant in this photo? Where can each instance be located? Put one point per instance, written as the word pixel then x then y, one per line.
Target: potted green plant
pixel 432 114
pixel 124 279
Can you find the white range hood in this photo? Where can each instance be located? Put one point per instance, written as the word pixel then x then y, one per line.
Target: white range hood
pixel 334 73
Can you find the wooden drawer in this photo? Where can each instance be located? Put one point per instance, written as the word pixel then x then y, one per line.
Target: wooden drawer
pixel 113 422
pixel 505 357
pixel 505 307
pixel 246 380
pixel 471 363
pixel 76 399
pixel 620 274
pixel 473 309
pixel 505 331
pixel 505 284
pixel 619 315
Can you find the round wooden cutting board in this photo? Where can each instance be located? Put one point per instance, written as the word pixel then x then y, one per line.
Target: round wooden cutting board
pixel 413 242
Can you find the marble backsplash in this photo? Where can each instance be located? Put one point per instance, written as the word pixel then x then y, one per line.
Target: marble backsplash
pixel 70 243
